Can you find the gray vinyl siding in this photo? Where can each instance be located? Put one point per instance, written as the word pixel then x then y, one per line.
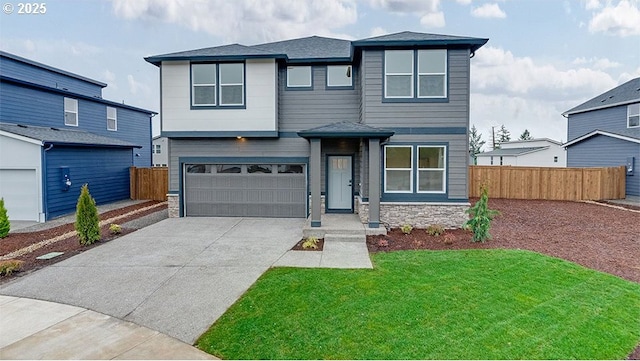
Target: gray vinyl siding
pixel 300 109
pixel 603 151
pixel 609 119
pixel 453 113
pixel 247 147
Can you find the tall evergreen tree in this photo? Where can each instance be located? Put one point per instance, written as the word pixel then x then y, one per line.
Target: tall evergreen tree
pixel 525 135
pixel 475 142
pixel 87 219
pixel 503 134
pixel 5 226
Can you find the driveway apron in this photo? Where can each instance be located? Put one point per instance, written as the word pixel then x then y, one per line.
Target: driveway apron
pixel 176 276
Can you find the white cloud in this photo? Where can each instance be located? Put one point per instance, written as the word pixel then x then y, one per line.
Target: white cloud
pixel 136 87
pixel 592 4
pixel 110 78
pixel 489 11
pixel 622 19
pixel 433 20
pixel 596 63
pixel 377 31
pixel 427 10
pixel 464 2
pixel 246 20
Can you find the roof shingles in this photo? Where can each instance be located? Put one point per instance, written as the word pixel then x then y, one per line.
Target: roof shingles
pixel 64 136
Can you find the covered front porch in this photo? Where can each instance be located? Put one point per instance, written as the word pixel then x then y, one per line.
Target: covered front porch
pixel 347 149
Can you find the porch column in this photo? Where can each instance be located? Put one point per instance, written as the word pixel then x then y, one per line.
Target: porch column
pixel 314 178
pixel 374 183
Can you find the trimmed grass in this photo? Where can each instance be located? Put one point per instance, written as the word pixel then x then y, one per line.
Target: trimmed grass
pixel 475 304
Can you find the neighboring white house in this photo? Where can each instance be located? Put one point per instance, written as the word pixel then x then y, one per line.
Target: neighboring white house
pixel 541 152
pixel 159 153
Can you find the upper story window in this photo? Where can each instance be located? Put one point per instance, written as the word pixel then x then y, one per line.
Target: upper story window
pixel 633 115
pixel 112 118
pixel 217 85
pixel 339 76
pixel 298 77
pixel 415 74
pixel 71 112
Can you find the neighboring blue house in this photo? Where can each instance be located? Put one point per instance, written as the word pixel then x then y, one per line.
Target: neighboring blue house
pixel 294 128
pixel 58 133
pixel 605 132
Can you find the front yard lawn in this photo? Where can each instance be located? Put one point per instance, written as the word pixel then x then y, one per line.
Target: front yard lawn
pixel 474 304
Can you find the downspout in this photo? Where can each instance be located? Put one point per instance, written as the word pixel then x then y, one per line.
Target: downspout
pixel 45 196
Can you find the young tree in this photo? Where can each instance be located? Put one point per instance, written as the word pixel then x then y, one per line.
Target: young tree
pixel 525 135
pixel 5 226
pixel 475 142
pixel 87 220
pixel 503 134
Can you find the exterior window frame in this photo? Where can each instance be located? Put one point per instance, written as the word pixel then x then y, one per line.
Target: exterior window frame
pixel 630 114
pixel 387 74
pixel 300 86
pixel 114 118
pixel 74 111
pixel 217 85
pixel 445 74
pixel 157 149
pixel 349 69
pixel 443 169
pixel 415 97
pixel 410 169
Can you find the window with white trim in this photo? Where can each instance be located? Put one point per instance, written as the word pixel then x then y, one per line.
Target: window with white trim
pixel 203 84
pixel 112 118
pixel 339 76
pixel 298 77
pixel 633 115
pixel 432 73
pixel 429 66
pixel 157 148
pixel 398 71
pixel 71 112
pixel 398 169
pixel 231 84
pixel 431 169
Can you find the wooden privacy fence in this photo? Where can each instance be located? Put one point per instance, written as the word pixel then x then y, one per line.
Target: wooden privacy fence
pixel 149 183
pixel 570 184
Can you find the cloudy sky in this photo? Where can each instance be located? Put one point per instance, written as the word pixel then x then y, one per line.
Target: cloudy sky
pixel 543 57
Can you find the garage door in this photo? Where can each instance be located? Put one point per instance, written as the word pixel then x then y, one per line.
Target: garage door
pixel 254 190
pixel 19 188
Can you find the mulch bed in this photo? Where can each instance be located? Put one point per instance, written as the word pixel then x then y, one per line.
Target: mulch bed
pixel 70 246
pixel 299 247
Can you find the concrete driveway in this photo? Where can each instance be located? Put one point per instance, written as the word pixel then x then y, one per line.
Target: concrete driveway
pixel 176 276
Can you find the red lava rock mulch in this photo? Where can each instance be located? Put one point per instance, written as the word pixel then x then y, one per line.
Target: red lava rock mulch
pixel 70 246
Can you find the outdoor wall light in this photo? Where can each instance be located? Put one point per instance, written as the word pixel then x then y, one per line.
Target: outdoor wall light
pixel 66 182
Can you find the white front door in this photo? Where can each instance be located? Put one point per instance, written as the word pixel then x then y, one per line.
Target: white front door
pixel 339 183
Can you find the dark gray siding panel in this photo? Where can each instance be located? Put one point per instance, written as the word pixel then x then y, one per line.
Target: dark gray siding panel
pixel 25 72
pixel 610 119
pixel 453 113
pixel 603 151
pixel 281 147
pixel 304 109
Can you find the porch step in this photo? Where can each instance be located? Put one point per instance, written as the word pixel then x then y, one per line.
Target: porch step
pixel 333 237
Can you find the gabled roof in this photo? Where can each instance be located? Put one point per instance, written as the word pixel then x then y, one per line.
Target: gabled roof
pixel 311 48
pixel 626 93
pixel 47 135
pixel 511 151
pixel 4 54
pixel 533 140
pixel 410 38
pixel 225 52
pixel 345 130
pixel 630 135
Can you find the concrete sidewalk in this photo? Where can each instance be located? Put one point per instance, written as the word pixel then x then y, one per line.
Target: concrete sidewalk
pixel 33 329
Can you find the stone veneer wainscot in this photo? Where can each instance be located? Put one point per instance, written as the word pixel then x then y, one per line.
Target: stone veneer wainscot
pixel 419 215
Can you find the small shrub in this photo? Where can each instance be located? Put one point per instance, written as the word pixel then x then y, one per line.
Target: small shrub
pixel 87 221
pixel 406 228
pixel 481 217
pixel 435 230
pixel 383 243
pixel 115 229
pixel 5 226
pixel 311 242
pixel 449 238
pixel 9 266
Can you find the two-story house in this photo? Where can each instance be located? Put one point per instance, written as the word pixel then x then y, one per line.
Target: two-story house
pixel 159 156
pixel 300 127
pixel 540 152
pixel 58 133
pixel 605 132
